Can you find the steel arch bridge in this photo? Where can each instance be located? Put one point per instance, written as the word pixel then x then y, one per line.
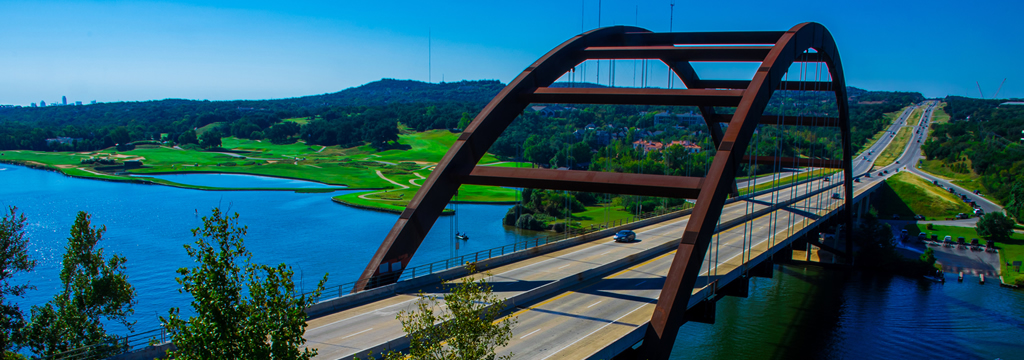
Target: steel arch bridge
pixel 775 50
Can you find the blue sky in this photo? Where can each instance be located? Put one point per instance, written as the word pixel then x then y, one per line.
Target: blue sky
pixel 221 50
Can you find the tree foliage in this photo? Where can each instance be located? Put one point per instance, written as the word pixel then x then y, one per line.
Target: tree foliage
pixel 96 292
pixel 464 324
pixel 994 225
pixel 14 259
pixel 242 310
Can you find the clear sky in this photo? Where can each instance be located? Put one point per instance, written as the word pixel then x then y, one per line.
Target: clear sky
pixel 221 50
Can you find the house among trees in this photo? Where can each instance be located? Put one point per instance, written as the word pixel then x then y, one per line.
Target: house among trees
pixel 648 146
pixel 687 145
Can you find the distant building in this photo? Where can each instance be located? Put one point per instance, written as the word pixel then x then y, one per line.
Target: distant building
pixel 648 145
pixel 62 140
pixel 33 104
pixel 1012 103
pixel 678 119
pixel 78 103
pixel 547 111
pixel 64 99
pixel 42 103
pixel 687 145
pixel 93 102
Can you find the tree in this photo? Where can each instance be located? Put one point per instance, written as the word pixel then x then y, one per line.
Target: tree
pixel 1015 207
pixel 96 292
pixel 465 329
pixel 242 310
pixel 188 137
pixel 13 259
pixel 210 139
pixel 995 225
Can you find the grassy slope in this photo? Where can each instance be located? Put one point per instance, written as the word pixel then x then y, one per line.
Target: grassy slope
pixel 1010 250
pixel 907 194
pixel 895 148
pixel 354 167
pixel 970 181
pixel 915 117
pixel 890 118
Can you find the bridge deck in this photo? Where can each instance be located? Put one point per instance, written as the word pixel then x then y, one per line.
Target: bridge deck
pixel 374 326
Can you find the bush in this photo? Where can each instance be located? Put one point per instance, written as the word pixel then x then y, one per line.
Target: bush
pixel 528 222
pixel 929 227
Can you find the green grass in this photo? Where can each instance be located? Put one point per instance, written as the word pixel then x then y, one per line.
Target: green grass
pixel 915 117
pixel 300 121
pixel 208 127
pixel 890 118
pixel 906 195
pixel 1010 250
pixel 787 180
pixel 939 116
pixel 895 148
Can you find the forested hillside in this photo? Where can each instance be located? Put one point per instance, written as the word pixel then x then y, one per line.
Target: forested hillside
pixel 370 114
pixel 986 147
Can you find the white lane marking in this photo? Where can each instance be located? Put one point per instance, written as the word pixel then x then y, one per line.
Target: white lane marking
pixel 531 333
pixel 563 266
pixel 638 284
pixel 605 253
pixel 595 331
pixel 592 305
pixel 356 333
pixel 363 314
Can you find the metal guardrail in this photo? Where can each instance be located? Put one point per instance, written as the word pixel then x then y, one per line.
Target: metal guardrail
pixel 139 340
pixel 446 264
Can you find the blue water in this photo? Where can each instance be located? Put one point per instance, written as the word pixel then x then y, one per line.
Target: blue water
pixel 803 312
pixel 239 181
pixel 809 312
pixel 148 224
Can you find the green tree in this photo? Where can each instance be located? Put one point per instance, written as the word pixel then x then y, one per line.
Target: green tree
pixel 465 328
pixel 928 257
pixel 210 139
pixel 13 259
pixel 96 291
pixel 242 310
pixel 188 137
pixel 1015 207
pixel 465 120
pixel 994 225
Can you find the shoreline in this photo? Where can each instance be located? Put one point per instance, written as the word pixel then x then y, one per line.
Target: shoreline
pixel 134 180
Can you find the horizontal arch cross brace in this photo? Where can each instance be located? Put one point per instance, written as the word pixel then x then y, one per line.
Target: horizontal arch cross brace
pixel 588 181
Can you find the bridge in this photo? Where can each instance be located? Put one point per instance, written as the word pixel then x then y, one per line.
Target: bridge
pixel 588 297
pixel 617 295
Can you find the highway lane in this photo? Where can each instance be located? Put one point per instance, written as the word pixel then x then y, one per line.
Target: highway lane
pixel 353 331
pixel 913 156
pixel 576 323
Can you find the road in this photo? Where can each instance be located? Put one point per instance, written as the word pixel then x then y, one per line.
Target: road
pixel 565 320
pixel 913 156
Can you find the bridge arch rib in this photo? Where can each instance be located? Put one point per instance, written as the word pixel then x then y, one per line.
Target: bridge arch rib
pixel 776 50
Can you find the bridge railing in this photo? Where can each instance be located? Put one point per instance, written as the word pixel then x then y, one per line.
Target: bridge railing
pixel 340 290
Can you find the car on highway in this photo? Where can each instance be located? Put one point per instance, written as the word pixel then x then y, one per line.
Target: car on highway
pixel 962 216
pixel 856 179
pixel 918 217
pixel 624 236
pixel 836 196
pixel 825 179
pixel 895 216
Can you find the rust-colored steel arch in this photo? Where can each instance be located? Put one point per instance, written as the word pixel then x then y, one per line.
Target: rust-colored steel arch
pixel 776 50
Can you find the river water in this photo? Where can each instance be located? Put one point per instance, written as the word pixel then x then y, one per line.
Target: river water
pixel 803 312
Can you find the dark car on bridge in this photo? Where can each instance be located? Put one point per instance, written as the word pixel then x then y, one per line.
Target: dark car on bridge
pixel 624 236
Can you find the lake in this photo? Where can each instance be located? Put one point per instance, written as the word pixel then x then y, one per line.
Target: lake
pixel 239 181
pixel 803 312
pixel 148 224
